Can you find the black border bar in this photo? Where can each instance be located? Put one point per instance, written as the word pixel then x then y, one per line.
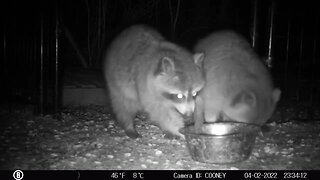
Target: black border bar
pixel 157 174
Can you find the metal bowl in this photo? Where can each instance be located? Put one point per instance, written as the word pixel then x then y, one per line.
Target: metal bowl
pixel 222 142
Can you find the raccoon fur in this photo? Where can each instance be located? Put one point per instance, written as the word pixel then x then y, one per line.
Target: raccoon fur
pixel 145 72
pixel 238 84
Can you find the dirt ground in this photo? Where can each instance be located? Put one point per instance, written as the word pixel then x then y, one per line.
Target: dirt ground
pixel 88 138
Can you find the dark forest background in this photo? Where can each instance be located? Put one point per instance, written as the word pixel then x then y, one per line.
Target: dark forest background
pixel 79 31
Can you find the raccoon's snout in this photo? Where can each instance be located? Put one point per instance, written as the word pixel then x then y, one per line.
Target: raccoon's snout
pixel 186 110
pixel 187 117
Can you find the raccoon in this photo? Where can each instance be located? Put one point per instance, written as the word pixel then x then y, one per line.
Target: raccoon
pixel 144 72
pixel 238 85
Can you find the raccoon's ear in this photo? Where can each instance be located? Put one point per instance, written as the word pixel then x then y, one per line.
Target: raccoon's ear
pixel 167 65
pixel 276 95
pixel 198 59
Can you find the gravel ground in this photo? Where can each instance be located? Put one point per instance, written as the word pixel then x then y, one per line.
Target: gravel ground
pixel 87 138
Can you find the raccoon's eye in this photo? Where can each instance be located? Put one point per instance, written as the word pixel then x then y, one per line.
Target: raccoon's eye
pixel 174 97
pixel 194 94
pixel 179 96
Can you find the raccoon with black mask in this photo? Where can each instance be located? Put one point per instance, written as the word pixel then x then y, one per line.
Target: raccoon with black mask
pixel 145 72
pixel 238 85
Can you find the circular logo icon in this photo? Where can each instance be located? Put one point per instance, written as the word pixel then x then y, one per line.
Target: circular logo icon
pixel 18 174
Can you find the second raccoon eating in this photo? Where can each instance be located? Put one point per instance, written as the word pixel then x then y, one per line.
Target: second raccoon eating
pixel 238 87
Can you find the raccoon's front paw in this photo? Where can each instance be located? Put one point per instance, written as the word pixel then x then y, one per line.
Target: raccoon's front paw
pixel 266 130
pixel 169 135
pixel 132 134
